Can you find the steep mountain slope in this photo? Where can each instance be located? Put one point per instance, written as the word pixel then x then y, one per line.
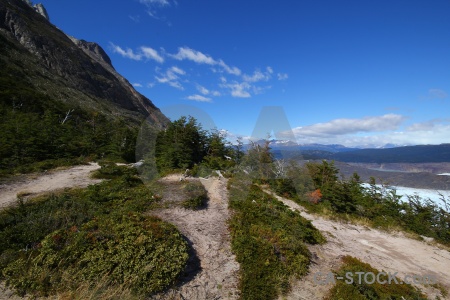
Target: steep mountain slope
pixel 66 68
pixel 60 97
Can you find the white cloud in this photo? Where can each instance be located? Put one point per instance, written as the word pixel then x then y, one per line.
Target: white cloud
pixel 259 76
pixel 194 55
pixel 171 77
pixel 176 84
pixel 282 76
pixel 144 52
pixel 151 53
pixel 186 53
pixel 128 53
pixel 198 98
pixel 204 91
pixel 247 86
pixel 231 70
pixel 155 2
pixel 430 125
pixel 238 90
pixel 177 70
pixel 351 126
pixel 137 85
pixel 375 132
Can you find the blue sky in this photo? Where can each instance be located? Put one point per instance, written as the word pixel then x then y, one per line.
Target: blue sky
pixel 353 72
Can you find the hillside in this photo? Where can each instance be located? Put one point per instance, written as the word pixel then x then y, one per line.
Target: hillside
pixel 61 98
pixel 37 53
pixel 407 154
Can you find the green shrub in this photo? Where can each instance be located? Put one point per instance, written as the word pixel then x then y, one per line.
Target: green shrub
pixel 59 242
pixel 283 187
pixel 380 205
pixel 363 290
pixel 268 240
pixel 144 254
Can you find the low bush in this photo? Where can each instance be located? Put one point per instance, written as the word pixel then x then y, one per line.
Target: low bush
pixel 268 240
pixel 143 254
pixel 363 290
pixel 61 242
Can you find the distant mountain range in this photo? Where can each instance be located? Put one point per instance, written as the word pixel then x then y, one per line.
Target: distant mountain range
pixel 387 154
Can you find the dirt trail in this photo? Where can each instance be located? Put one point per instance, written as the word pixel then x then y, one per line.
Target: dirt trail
pixel 34 184
pixel 213 273
pixel 382 250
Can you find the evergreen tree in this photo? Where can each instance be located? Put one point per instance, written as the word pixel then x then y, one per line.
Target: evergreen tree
pixel 181 145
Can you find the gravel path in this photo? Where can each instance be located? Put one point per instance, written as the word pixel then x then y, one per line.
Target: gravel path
pixel 212 271
pixel 34 184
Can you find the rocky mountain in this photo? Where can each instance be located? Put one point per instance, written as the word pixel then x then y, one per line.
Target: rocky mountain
pixel 65 68
pixel 61 100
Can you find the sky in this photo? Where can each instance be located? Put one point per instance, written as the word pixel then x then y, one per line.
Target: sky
pixel 351 72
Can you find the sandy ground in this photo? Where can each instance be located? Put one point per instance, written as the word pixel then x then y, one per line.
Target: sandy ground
pixel 212 271
pixel 34 184
pixel 382 250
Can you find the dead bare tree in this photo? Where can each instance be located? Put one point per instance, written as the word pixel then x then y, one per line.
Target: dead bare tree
pixel 280 168
pixel 67 116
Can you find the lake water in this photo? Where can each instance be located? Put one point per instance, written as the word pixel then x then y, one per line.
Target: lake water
pixel 433 195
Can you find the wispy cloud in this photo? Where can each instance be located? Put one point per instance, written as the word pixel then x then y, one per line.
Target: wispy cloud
pixel 204 91
pixel 231 70
pixel 259 75
pixel 151 53
pixel 153 7
pixel 128 53
pixel 155 2
pixel 143 52
pixel 282 76
pixel 171 77
pixel 335 127
pixel 199 98
pixel 186 53
pixel 137 85
pixel 194 55
pixel 239 86
pixel 135 19
pixel 237 89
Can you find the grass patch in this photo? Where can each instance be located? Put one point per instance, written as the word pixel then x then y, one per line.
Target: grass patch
pixel 268 240
pixel 363 290
pixel 66 242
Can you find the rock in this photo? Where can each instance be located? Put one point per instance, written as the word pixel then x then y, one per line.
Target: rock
pixel 39 8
